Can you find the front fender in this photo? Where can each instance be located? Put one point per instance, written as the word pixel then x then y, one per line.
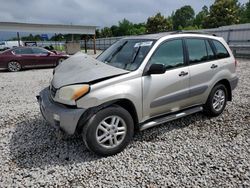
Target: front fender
pixel 130 90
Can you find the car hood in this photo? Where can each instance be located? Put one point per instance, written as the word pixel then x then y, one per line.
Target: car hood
pixel 82 68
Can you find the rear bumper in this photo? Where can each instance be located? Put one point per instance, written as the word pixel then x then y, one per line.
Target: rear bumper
pixel 234 83
pixel 58 115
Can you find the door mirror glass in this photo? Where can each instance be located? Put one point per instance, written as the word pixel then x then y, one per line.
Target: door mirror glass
pixel 157 69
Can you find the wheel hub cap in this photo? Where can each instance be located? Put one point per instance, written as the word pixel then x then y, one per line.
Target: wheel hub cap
pixel 111 131
pixel 14 66
pixel 218 100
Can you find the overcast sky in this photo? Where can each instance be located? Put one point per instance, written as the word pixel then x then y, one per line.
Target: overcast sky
pixel 90 12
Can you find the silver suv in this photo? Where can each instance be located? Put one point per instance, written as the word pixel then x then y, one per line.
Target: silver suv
pixel 137 83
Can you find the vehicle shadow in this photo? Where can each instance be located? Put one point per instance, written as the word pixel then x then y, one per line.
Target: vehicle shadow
pixel 34 142
pixel 153 134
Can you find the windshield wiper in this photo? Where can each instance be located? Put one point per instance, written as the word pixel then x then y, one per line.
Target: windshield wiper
pixel 116 51
pixel 134 55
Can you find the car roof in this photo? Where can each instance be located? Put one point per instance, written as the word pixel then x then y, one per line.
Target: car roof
pixel 163 34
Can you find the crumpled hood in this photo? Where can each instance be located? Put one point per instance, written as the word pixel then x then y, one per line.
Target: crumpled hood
pixel 82 68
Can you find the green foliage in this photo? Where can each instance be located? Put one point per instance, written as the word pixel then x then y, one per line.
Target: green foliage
pixel 124 28
pixel 245 13
pixel 223 12
pixel 183 17
pixel 158 23
pixel 200 17
pixel 106 32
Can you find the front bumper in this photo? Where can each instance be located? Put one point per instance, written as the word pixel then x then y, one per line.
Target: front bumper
pixel 58 115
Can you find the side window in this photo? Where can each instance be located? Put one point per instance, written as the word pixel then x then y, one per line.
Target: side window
pixel 197 50
pixel 21 51
pixel 169 53
pixel 221 51
pixel 210 53
pixel 39 51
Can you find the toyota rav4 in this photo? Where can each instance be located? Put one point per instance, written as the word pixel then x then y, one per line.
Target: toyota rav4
pixel 137 83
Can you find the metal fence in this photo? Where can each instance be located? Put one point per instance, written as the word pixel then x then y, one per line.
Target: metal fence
pixel 237 36
pixel 102 43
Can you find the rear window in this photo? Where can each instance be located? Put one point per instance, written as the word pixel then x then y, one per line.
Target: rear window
pixel 221 51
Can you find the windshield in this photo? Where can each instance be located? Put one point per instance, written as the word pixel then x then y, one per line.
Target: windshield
pixel 126 54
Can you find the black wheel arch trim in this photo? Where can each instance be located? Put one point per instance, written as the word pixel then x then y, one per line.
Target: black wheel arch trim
pixel 93 110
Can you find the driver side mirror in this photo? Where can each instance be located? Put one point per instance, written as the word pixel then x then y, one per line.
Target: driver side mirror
pixel 156 69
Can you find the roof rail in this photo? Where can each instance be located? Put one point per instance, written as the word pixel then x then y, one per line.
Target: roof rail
pixel 193 32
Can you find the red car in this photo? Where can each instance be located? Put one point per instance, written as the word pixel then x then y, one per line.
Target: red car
pixel 29 57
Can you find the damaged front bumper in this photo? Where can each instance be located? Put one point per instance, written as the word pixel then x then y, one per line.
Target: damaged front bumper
pixel 58 115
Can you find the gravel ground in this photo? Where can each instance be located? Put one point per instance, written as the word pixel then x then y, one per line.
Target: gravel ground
pixel 191 152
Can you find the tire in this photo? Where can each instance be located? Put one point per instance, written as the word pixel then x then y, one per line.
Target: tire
pixel 216 101
pixel 14 66
pixel 59 61
pixel 100 125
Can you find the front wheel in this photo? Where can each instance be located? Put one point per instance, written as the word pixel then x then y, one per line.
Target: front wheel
pixel 109 131
pixel 216 101
pixel 14 66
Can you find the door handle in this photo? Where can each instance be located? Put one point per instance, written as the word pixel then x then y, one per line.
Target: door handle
pixel 214 66
pixel 183 73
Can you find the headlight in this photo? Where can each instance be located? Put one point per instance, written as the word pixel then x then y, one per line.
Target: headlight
pixel 73 92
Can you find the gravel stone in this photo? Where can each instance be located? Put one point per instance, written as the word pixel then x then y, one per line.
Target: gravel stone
pixel 194 151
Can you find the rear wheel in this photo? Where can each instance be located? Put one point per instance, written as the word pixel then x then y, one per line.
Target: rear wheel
pixel 109 131
pixel 217 101
pixel 14 66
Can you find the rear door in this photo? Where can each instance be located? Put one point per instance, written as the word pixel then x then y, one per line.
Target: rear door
pixel 164 93
pixel 202 66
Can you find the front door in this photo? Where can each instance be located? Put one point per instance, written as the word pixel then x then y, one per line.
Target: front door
pixel 24 56
pixel 44 57
pixel 165 93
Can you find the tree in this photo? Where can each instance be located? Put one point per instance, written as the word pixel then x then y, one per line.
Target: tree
pixel 245 13
pixel 115 30
pixel 183 17
pixel 97 33
pixel 139 29
pixel 125 27
pixel 200 17
pixel 158 23
pixel 222 12
pixel 106 32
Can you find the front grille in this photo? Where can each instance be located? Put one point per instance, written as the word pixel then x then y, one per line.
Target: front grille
pixel 52 91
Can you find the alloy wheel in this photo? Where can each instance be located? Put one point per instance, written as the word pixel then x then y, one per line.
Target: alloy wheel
pixel 111 132
pixel 14 66
pixel 219 100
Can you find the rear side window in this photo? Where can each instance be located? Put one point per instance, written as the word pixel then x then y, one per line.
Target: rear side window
pixel 169 54
pixel 197 50
pixel 221 51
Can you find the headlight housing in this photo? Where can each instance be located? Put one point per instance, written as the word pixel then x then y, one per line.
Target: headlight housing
pixel 69 94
